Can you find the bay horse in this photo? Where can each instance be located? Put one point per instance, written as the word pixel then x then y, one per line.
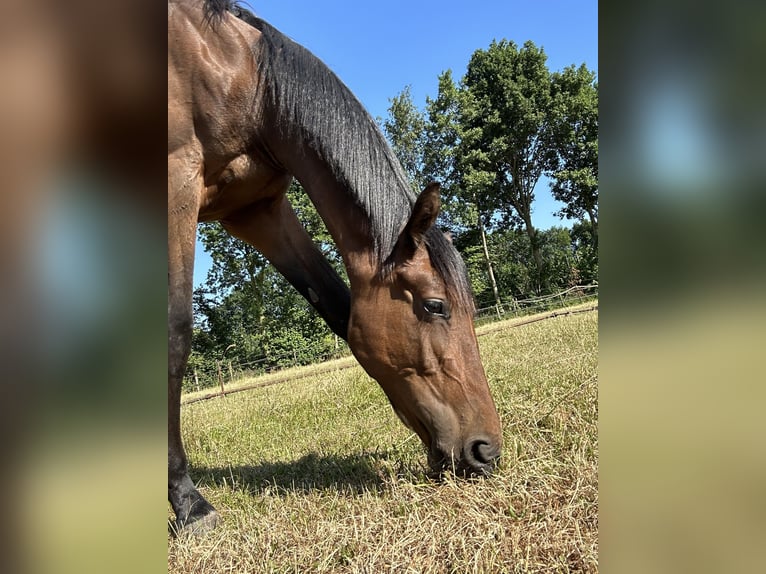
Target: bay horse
pixel 248 110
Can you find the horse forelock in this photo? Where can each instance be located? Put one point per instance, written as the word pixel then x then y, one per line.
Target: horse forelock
pixel 214 10
pixel 451 268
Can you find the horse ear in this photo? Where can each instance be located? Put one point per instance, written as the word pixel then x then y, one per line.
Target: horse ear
pixel 423 214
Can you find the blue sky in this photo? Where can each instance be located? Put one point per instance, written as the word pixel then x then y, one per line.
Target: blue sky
pixel 378 48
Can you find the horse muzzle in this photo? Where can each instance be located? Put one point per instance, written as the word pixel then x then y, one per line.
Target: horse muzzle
pixel 479 456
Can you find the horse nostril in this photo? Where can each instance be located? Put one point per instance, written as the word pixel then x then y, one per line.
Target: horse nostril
pixel 483 451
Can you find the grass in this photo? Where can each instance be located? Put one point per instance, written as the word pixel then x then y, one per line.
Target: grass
pixel 316 474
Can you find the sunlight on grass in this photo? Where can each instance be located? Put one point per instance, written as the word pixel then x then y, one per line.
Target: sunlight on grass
pixel 316 474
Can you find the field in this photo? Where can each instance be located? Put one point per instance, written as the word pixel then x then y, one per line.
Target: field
pixel 316 473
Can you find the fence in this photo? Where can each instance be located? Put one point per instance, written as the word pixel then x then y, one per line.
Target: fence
pixel 509 307
pixel 227 370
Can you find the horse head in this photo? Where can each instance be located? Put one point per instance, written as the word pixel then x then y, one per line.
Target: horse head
pixel 411 328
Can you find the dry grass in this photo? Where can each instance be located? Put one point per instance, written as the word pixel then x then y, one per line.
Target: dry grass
pixel 318 475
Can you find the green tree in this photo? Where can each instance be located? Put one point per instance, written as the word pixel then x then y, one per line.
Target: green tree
pixel 514 266
pixel 510 248
pixel 575 139
pixel 558 252
pixel 506 117
pixel 585 253
pixel 441 138
pixel 405 129
pixel 425 144
pixel 312 222
pixel 489 140
pixel 466 208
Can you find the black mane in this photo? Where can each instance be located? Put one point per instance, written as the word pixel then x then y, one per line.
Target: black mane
pixel 316 106
pixel 215 9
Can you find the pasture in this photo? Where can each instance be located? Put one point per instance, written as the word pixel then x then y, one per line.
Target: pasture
pixel 316 473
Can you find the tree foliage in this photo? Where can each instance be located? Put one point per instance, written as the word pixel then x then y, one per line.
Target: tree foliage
pixel 490 139
pixel 505 123
pixel 575 140
pixel 405 130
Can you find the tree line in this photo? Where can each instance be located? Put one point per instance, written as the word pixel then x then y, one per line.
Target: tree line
pixel 488 139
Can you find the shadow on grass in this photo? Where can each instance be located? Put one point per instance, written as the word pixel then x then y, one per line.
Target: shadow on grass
pixel 356 474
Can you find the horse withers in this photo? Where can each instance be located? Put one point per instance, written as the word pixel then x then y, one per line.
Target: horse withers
pixel 248 109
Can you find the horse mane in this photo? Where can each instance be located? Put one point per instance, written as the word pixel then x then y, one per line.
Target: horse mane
pixel 313 104
pixel 214 11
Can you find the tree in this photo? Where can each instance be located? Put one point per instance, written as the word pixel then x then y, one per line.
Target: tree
pixel 585 253
pixel 404 127
pixel 465 208
pixel 575 139
pixel 441 138
pixel 489 140
pixel 426 146
pixel 558 252
pixel 506 116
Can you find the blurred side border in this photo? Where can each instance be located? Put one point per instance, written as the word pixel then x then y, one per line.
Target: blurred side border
pixel 683 263
pixel 82 252
pixel 82 320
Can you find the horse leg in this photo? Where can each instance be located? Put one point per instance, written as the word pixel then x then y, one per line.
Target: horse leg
pixel 278 234
pixel 192 511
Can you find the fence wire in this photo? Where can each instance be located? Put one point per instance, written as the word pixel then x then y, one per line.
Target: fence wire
pixel 507 308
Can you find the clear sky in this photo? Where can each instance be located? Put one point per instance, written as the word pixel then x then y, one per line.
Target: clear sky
pixel 377 48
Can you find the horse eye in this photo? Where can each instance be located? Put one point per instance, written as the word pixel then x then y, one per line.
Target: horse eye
pixel 436 307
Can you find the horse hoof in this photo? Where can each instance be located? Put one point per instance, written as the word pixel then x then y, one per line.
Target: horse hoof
pixel 196 525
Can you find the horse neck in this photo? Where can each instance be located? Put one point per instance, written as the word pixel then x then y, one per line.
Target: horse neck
pixel 346 222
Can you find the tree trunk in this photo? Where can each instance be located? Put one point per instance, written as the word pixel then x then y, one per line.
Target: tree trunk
pixel 594 227
pixel 498 305
pixel 536 254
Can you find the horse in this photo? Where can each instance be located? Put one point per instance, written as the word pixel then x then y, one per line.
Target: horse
pixel 248 110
